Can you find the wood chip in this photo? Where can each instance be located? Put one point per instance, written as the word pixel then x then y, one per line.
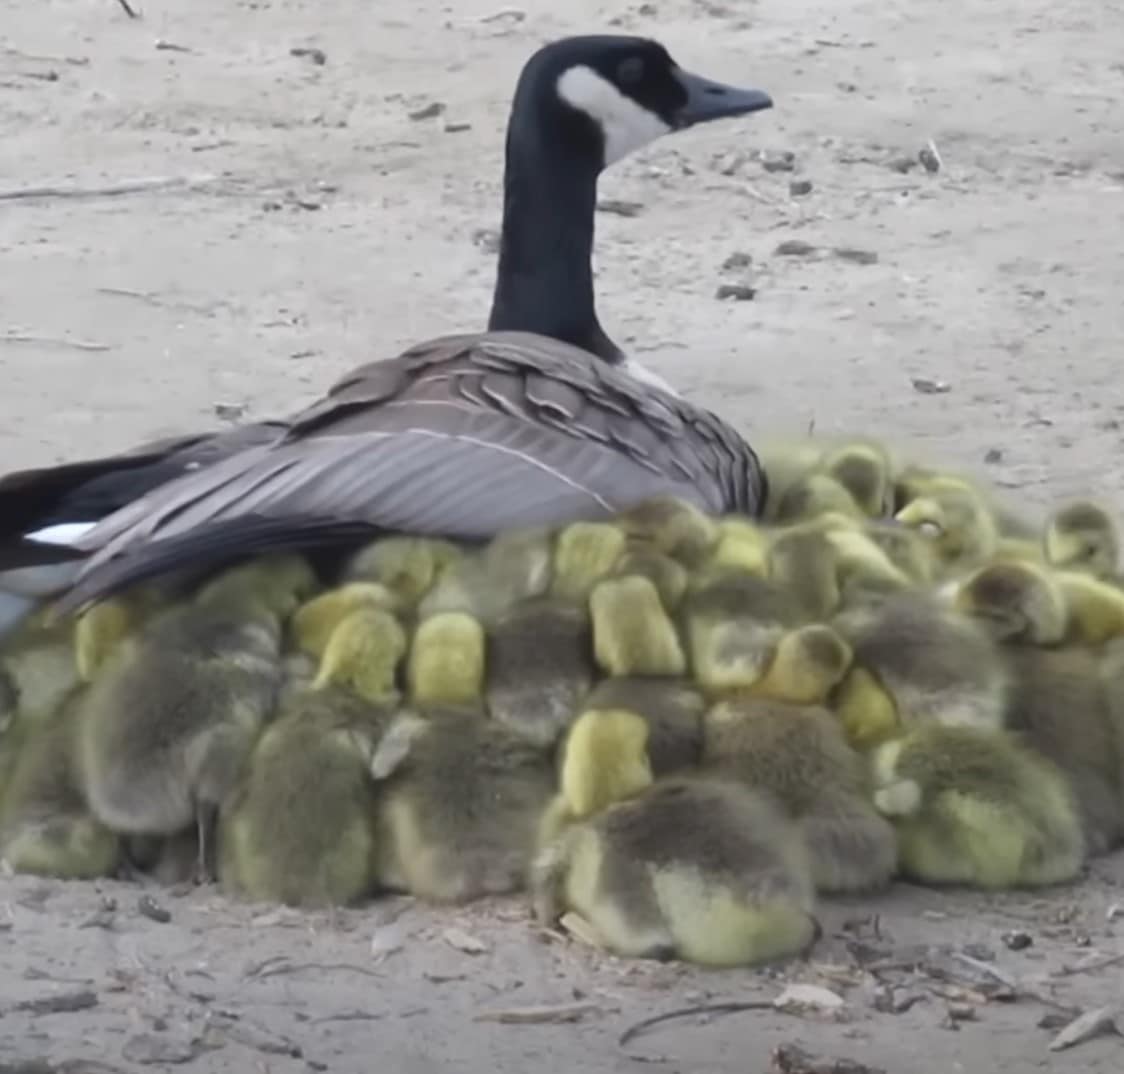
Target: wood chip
pixel 61 1003
pixel 148 907
pixel 548 1014
pixel 806 995
pixel 1097 1023
pixel 581 930
pixel 464 941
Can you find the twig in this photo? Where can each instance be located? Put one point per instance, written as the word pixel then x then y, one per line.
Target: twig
pixel 128 9
pixel 53 341
pixel 62 1003
pixel 1089 967
pixel 282 966
pixel 542 1015
pixel 640 1028
pixel 109 190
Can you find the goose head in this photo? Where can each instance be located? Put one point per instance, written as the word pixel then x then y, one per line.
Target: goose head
pixel 580 105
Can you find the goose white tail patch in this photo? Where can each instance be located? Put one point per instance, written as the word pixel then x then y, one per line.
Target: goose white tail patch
pixel 626 124
pixel 65 533
pixel 643 374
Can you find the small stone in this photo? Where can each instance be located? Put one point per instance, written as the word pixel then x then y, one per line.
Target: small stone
pixel 316 55
pixel 148 907
pixel 930 158
pixel 799 188
pixel 457 128
pixel 229 411
pixel 961 1012
pixel 795 248
pixel 1114 911
pixel 464 941
pixel 1017 940
pixel 778 162
pixel 430 111
pixel 619 207
pixel 930 387
pixel 739 259
pixel 739 292
pixel 856 256
pixel 994 455
pixel 487 238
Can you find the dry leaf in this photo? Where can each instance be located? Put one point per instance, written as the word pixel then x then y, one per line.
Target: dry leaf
pixel 1096 1023
pixel 386 941
pixel 806 995
pixel 575 925
pixel 464 941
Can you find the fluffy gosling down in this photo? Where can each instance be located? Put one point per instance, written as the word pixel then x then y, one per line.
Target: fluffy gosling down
pixel 975 807
pixel 689 867
pixel 167 727
pixel 301 828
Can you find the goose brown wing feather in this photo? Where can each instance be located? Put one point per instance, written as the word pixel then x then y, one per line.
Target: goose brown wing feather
pixel 461 437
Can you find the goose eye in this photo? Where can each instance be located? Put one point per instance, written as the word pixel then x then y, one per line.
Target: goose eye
pixel 930 529
pixel 630 71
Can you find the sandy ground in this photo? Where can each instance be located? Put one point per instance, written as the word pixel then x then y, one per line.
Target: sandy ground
pixel 322 223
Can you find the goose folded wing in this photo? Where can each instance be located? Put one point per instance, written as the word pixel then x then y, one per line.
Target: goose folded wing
pixel 460 438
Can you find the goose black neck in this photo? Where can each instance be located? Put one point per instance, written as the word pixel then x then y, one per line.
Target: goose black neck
pixel 544 282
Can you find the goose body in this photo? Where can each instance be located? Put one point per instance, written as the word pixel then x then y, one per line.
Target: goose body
pixel 538 420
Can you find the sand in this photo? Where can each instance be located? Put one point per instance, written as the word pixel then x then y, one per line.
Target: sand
pixel 299 218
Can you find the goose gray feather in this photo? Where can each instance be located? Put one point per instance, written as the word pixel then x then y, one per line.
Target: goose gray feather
pixel 461 436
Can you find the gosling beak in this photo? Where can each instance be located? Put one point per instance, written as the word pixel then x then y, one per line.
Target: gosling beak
pixel 708 100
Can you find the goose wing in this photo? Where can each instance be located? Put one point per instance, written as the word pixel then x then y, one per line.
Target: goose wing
pixel 461 437
pixel 87 491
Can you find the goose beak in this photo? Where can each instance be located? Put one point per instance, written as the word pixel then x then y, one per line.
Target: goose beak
pixel 708 100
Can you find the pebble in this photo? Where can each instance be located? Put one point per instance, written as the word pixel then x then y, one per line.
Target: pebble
pixel 739 292
pixel 434 108
pixel 620 207
pixel 739 259
pixel 795 248
pixel 778 162
pixel 1017 940
pixel 855 256
pixel 798 188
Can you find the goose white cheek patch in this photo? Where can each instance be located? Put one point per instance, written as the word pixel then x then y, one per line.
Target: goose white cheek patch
pixel 626 125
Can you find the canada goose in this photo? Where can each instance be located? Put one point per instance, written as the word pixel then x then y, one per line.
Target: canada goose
pixel 733 621
pixel 45 824
pixel 457 819
pixel 864 469
pixel 690 867
pixel 958 520
pixel 533 422
pixel 798 754
pixel 976 807
pixel 168 724
pixel 823 564
pixel 936 665
pixel 301 827
pixel 673 710
pixel 1083 536
pixel 540 665
pixel 806 666
pixel 1022 601
pixel 632 632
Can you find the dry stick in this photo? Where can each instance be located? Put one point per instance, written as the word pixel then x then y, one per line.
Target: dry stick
pixel 548 1014
pixel 53 341
pixel 640 1028
pixel 1089 967
pixel 109 190
pixel 128 10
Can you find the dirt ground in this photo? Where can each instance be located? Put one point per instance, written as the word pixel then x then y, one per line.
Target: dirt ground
pixel 322 220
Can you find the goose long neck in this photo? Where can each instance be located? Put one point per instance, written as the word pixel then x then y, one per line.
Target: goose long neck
pixel 544 282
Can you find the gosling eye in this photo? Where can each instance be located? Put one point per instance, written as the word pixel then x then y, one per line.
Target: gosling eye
pixel 930 529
